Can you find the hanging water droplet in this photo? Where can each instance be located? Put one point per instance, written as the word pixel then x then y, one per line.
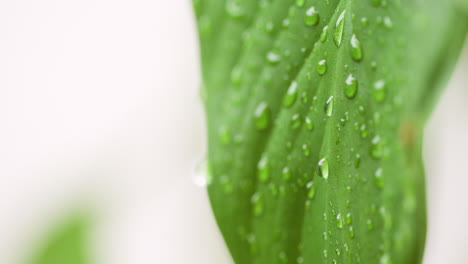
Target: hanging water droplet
pixel 291 95
pixel 356 49
pixel 379 180
pixel 339 221
pixel 286 174
pixel 311 187
pixel 312 17
pixel 295 121
pixel 263 169
pixel 323 36
pixel 329 106
pixel 351 87
pixel 379 90
pixel 262 116
pixel 309 124
pixel 322 67
pixel 273 58
pixel 323 168
pixel 339 29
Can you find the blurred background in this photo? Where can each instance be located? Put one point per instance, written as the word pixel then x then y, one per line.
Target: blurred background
pixel 100 117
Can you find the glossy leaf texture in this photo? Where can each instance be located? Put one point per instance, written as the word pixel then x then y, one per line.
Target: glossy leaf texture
pixel 315 112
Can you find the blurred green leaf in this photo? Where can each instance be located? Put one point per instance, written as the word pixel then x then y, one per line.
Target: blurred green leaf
pixel 68 244
pixel 315 117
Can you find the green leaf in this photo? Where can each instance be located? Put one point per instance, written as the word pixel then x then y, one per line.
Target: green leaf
pixel 67 244
pixel 315 116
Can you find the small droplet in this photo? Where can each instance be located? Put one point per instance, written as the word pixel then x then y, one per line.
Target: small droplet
pixel 273 58
pixel 376 148
pixel 305 150
pixel 323 36
pixel 201 175
pixel 323 168
pixel 312 17
pixel 329 106
pixel 269 27
pixel 351 87
pixel 236 76
pixel 263 169
pixel 351 231
pixel 225 136
pixel 356 49
pixel 234 9
pixel 311 187
pixel 257 202
pixel 322 67
pixel 286 173
pixel 262 116
pixel 349 218
pixel 357 161
pixel 370 224
pixel 295 121
pixel 309 124
pixel 339 29
pixel 379 90
pixel 379 180
pixel 388 24
pixel 339 221
pixel 291 95
pixel 300 3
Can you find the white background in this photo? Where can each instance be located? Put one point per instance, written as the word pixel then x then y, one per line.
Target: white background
pixel 99 107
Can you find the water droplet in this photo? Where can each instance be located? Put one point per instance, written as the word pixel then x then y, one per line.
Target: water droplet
pixel 323 168
pixel 295 121
pixel 269 27
pixel 339 29
pixel 201 174
pixel 311 187
pixel 357 161
pixel 379 90
pixel 309 124
pixel 305 150
pixel 300 3
pixel 263 169
pixel 356 49
pixel 234 9
pixel 273 58
pixel 323 36
pixel 291 95
pixel 262 116
pixel 286 174
pixel 376 148
pixel 225 136
pixel 312 17
pixel 370 224
pixel 351 87
pixel 349 218
pixel 338 252
pixel 282 257
pixel 329 106
pixel 322 67
pixel 387 21
pixel 257 202
pixel 379 180
pixel 339 221
pixel 364 22
pixel 351 231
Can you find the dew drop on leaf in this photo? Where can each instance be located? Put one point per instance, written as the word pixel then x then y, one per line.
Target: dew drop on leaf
pixel 262 116
pixel 257 202
pixel 323 36
pixel 351 87
pixel 263 169
pixel 379 180
pixel 309 124
pixel 311 187
pixel 339 221
pixel 286 173
pixel 291 95
pixel 355 49
pixel 273 58
pixel 322 67
pixel 339 29
pixel 329 106
pixel 295 121
pixel 379 90
pixel 323 168
pixel 312 17
pixel 300 3
pixel 305 150
pixel 224 136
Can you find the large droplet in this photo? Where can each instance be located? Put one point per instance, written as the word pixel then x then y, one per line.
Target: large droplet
pixel 329 106
pixel 291 95
pixel 379 90
pixel 351 87
pixel 355 49
pixel 323 36
pixel 339 29
pixel 322 67
pixel 263 169
pixel 312 17
pixel 323 168
pixel 262 116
